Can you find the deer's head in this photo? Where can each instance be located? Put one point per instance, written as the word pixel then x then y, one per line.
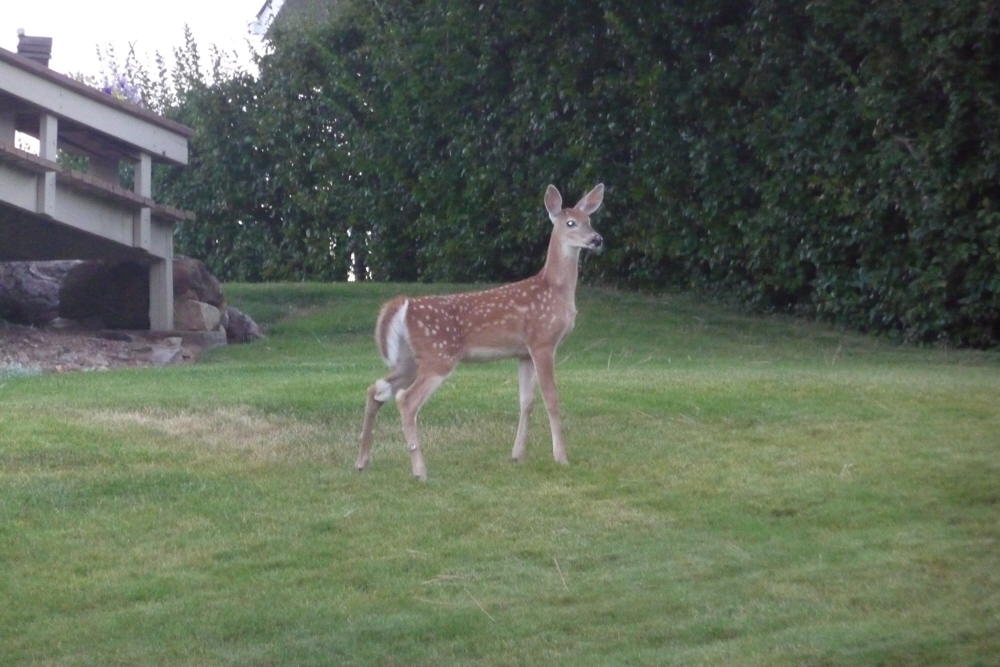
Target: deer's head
pixel 572 225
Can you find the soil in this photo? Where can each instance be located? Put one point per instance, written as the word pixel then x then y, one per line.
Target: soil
pixel 27 350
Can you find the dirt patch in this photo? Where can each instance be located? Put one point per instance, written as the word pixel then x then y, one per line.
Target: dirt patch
pixel 28 350
pixel 224 430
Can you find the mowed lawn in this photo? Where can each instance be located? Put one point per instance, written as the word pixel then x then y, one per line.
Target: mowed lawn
pixel 742 491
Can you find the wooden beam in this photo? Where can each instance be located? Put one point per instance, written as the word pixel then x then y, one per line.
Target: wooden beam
pixel 167 141
pixel 75 180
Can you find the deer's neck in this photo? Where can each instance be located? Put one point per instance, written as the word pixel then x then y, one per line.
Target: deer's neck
pixel 562 266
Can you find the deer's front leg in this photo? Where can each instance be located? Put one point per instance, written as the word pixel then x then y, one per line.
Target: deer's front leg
pixel 526 394
pixel 544 361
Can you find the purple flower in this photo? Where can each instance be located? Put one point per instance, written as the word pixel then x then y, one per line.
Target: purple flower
pixel 122 89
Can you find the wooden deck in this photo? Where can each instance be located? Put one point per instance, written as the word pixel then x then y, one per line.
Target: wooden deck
pixel 50 212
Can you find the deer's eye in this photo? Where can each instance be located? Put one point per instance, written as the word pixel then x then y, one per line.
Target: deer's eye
pixel 571 223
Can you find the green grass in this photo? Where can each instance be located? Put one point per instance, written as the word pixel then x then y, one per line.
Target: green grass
pixel 750 491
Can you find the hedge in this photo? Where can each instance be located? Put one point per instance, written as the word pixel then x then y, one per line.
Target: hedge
pixel 835 158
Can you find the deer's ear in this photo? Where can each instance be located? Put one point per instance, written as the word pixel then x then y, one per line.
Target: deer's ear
pixel 592 200
pixel 553 202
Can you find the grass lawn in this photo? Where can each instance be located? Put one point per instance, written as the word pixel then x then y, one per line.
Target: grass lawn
pixel 748 491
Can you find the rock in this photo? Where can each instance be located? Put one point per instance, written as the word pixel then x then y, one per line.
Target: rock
pixel 241 328
pixel 204 340
pixel 98 295
pixel 117 293
pixel 192 280
pixel 29 291
pixel 163 354
pixel 191 315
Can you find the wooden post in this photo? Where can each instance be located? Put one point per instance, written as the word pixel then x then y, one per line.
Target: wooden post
pixel 7 128
pixel 161 293
pixel 143 186
pixel 48 149
pixel 144 176
pixel 161 271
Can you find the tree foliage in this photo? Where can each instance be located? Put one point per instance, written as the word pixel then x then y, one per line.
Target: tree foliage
pixel 835 158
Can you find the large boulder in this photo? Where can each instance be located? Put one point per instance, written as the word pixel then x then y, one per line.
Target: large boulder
pixel 193 280
pixel 29 291
pixel 107 295
pixel 240 327
pixel 192 315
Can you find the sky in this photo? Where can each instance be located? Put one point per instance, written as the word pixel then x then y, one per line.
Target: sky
pixel 78 27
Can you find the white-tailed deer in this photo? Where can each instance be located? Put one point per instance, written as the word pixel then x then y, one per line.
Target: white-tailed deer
pixel 422 339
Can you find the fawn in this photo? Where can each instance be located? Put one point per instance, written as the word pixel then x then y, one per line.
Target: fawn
pixel 422 339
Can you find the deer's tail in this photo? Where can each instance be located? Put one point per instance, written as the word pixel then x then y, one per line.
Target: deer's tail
pixel 391 334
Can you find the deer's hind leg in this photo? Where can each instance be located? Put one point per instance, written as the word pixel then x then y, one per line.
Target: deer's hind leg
pixel 379 393
pixel 410 400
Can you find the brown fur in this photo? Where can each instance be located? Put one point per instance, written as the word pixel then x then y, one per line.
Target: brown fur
pixel 525 320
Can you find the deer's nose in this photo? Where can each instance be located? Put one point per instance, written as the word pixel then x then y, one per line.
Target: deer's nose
pixel 596 241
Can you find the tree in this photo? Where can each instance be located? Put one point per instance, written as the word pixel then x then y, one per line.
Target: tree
pixel 833 158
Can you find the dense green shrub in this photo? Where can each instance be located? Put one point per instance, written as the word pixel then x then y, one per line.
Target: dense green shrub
pixel 835 158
